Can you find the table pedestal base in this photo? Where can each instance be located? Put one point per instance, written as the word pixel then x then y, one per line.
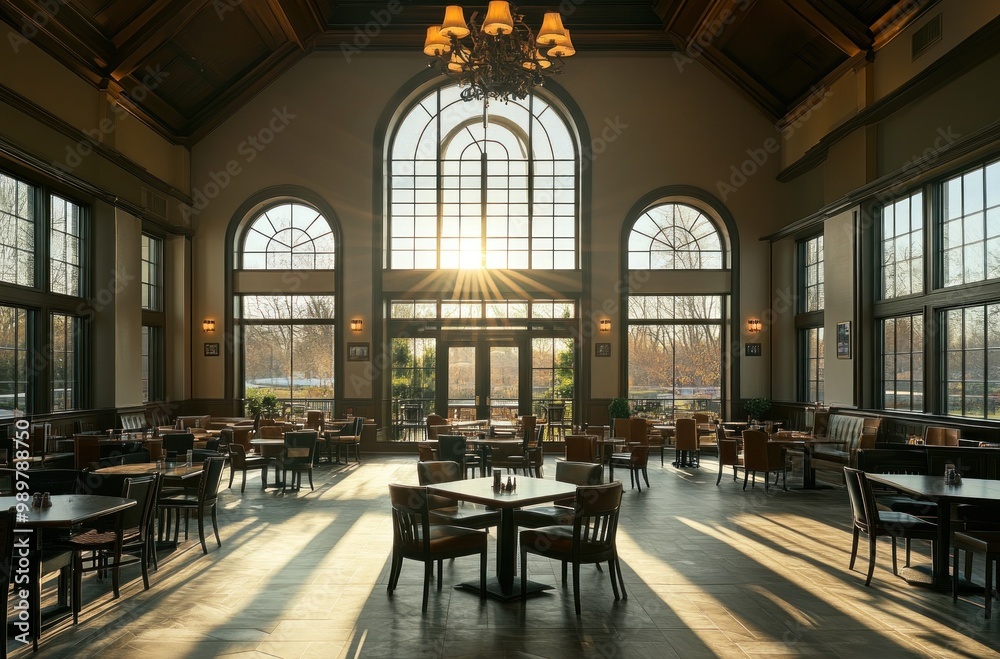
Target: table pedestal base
pixel 922 576
pixel 494 591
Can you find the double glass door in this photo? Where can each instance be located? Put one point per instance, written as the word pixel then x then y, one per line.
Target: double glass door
pixel 484 379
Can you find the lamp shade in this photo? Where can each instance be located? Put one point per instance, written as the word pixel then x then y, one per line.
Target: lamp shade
pixel 498 18
pixel 457 64
pixel 539 62
pixel 552 33
pixel 436 43
pixel 563 50
pixel 454 23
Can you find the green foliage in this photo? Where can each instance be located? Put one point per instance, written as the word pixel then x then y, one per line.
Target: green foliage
pixel 757 407
pixel 262 403
pixel 252 402
pixel 619 409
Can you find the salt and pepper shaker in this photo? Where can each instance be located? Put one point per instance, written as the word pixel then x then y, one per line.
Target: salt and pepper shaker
pixel 46 500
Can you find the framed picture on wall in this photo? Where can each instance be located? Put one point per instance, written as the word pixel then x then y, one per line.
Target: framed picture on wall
pixel 602 349
pixel 211 349
pixel 357 352
pixel 844 340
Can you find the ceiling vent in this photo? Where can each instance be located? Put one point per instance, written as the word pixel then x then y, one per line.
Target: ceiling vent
pixel 926 37
pixel 152 202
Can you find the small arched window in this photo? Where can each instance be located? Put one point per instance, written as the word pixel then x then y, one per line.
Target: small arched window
pixel 288 236
pixel 675 236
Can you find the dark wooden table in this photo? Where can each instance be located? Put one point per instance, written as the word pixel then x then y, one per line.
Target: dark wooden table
pixel 933 488
pixel 529 491
pixel 808 444
pixel 171 472
pixel 484 444
pixel 67 511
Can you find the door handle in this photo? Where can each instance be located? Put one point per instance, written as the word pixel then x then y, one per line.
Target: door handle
pixel 477 400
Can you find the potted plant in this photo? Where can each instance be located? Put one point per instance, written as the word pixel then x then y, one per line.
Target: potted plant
pixel 252 403
pixel 757 408
pixel 618 409
pixel 262 404
pixel 270 406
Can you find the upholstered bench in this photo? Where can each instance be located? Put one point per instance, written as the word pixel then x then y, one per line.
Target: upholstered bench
pixel 852 432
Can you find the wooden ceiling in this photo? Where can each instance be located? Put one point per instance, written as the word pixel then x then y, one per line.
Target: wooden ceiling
pixel 184 66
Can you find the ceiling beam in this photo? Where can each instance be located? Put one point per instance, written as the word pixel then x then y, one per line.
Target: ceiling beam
pixel 835 23
pixel 158 28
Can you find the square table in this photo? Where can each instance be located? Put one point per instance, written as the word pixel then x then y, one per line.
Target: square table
pixel 807 443
pixel 67 511
pixel 529 491
pixel 933 488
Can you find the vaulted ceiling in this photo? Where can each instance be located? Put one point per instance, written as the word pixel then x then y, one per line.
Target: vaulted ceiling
pixel 184 66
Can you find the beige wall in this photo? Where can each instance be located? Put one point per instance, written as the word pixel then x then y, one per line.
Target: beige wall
pixel 651 126
pixel 838 247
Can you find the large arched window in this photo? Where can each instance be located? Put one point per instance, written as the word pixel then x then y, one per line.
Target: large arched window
pixel 674 236
pixel 470 191
pixel 285 317
pixel 288 236
pixel 677 325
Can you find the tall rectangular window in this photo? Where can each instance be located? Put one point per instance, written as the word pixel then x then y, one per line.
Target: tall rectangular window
pixel 814 377
pixel 65 241
pixel 902 353
pixel 14 346
pixel 811 272
pixel 970 226
pixel 972 361
pixel 152 278
pixel 65 331
pixel 903 247
pixel 17 231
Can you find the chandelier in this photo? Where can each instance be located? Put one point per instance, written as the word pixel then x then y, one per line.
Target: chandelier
pixel 500 58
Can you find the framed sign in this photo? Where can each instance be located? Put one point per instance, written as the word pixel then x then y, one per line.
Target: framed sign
pixel 357 352
pixel 844 340
pixel 211 349
pixel 602 349
pixel 753 349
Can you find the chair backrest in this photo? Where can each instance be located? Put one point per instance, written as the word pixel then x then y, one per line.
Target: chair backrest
pixel 178 442
pixel 452 448
pixel 755 450
pixel 272 432
pixel 314 420
pixel 299 446
pixel 438 471
pixel 410 517
pixel 938 436
pixel 54 481
pixel 539 435
pixel 686 434
pixel 425 453
pixel 638 430
pixel 580 448
pixel 596 516
pixel 557 414
pixel 211 479
pixel 528 424
pixel 640 455
pixel 729 451
pixel 579 473
pixel 435 420
pixel 237 455
pixel 7 521
pixel 143 490
pixel 862 501
pixel 622 428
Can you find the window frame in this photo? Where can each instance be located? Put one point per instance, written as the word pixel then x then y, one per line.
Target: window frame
pixel 807 320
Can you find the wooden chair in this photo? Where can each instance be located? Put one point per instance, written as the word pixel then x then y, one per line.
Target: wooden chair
pixel 580 448
pixel 448 511
pixel 177 444
pixel 272 432
pixel 636 461
pixel 454 448
pixel 206 499
pixel 591 539
pixel 562 510
pixel 426 454
pixel 622 428
pixel 986 542
pixel 535 454
pixel 350 437
pixel 938 436
pixel 414 538
pixel 298 456
pixel 686 443
pixel 729 454
pixel 875 522
pixel 762 455
pixel 130 533
pixel 239 460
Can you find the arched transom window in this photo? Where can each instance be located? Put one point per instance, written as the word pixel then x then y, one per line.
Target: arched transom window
pixel 675 236
pixel 464 193
pixel 288 236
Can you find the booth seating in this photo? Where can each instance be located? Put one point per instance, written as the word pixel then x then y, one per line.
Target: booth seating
pixel 853 432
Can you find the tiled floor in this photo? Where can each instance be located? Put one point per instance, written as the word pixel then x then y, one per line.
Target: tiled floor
pixel 710 571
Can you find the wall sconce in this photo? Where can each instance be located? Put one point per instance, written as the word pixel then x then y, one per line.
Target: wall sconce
pixel 605 324
pixel 753 325
pixel 357 324
pixel 208 325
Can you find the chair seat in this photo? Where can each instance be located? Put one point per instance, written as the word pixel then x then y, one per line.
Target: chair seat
pixel 179 500
pixel 540 516
pixel 446 539
pixel 984 541
pixel 252 461
pixel 91 540
pixel 904 504
pixel 890 521
pixel 558 541
pixel 465 517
